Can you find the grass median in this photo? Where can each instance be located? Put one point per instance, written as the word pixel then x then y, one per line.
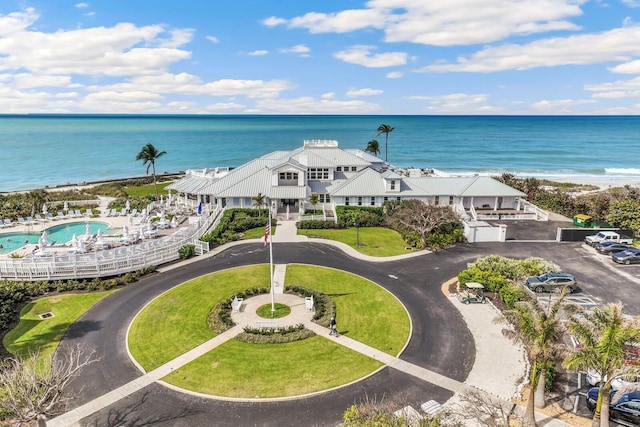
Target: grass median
pixel 373 241
pixel 176 322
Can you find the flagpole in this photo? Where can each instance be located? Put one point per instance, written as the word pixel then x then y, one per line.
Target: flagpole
pixel 273 294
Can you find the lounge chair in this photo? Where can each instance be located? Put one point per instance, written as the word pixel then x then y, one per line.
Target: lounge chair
pixel 40 219
pixel 78 214
pixel 7 222
pixel 134 211
pixel 61 215
pixel 50 216
pixel 114 212
pixel 123 212
pixel 21 221
pixel 88 213
pixel 31 221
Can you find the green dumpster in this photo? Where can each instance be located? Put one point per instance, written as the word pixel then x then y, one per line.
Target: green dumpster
pixel 582 220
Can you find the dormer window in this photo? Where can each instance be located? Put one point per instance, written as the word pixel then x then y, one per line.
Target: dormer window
pixel 393 184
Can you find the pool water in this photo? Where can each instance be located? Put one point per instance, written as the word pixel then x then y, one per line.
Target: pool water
pixel 59 234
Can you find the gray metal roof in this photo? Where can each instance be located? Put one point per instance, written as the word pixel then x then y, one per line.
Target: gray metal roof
pixel 190 184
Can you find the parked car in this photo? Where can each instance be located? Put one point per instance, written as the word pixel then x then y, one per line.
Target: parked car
pixel 593 379
pixel 624 409
pixel 608 236
pixel 629 256
pixel 552 282
pixel 611 247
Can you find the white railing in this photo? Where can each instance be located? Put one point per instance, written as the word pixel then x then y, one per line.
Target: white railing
pixel 111 262
pixel 540 214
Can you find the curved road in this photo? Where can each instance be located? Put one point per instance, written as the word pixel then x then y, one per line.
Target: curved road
pixel 440 340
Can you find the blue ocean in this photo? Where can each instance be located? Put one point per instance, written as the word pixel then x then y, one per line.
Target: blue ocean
pixel 50 150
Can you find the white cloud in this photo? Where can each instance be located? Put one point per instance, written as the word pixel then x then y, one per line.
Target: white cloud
pixel 619 44
pixel 616 90
pixel 444 23
pixel 355 93
pixel 631 3
pixel 310 105
pixel 458 103
pixel 328 95
pixel 273 21
pixel 178 37
pixel 82 5
pixel 17 22
pixel 394 75
pixel 300 49
pixel 559 106
pixel 213 39
pixel 261 52
pixel 631 67
pixel 361 55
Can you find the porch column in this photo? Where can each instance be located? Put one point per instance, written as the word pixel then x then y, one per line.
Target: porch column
pixel 518 204
pixel 495 204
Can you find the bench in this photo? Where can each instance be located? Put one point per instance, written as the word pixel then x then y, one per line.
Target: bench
pixel 236 304
pixel 308 303
pixel 261 324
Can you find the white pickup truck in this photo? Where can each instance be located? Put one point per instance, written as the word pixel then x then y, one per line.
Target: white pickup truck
pixel 607 236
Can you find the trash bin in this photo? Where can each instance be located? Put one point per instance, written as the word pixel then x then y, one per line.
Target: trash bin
pixel 582 220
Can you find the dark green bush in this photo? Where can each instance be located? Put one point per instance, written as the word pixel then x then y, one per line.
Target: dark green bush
pixel 228 230
pixel 317 225
pixel 491 281
pixel 273 335
pixel 365 216
pixel 511 294
pixel 187 251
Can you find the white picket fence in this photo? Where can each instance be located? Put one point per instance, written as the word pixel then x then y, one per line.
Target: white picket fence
pixel 111 262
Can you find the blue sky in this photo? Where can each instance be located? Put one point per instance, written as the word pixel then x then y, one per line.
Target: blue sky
pixel 320 57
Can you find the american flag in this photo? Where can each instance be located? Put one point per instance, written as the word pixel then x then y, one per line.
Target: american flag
pixel 267 231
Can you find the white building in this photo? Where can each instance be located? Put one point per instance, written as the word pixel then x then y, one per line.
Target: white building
pixel 347 177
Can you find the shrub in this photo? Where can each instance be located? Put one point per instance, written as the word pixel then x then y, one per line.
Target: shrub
pixel 316 225
pixel 366 216
pixel 492 281
pixel 273 335
pixel 187 251
pixel 511 294
pixel 235 221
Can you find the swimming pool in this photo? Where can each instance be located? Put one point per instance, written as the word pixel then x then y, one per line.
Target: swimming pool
pixel 59 234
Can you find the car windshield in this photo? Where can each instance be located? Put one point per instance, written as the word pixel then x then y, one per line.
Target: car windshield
pixel 543 277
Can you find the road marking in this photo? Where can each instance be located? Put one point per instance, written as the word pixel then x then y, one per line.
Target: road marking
pixel 392 276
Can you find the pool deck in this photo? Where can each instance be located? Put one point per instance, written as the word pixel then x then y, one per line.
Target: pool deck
pixel 116 224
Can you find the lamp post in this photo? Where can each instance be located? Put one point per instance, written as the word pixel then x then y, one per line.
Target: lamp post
pixel 355 222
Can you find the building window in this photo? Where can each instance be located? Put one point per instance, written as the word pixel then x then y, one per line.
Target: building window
pixel 373 201
pixel 354 169
pixel 393 185
pixel 318 173
pixel 451 200
pixel 386 199
pixel 436 200
pixel 398 199
pixel 360 201
pixel 281 175
pixel 346 201
pixel 338 168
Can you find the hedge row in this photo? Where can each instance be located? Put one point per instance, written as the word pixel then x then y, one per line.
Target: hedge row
pixel 235 221
pixel 275 336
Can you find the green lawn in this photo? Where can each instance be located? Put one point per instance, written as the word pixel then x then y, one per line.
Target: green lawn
pixel 258 233
pixel 33 333
pixel 364 311
pixel 239 369
pixel 374 241
pixel 147 190
pixel 177 321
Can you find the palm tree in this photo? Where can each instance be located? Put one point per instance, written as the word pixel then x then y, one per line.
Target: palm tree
pixel 604 335
pixel 313 199
pixel 149 154
pixel 373 147
pixel 35 199
pixel 386 129
pixel 539 329
pixel 258 202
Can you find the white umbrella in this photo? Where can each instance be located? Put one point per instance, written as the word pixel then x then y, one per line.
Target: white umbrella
pixel 127 205
pixel 144 212
pixel 74 241
pixel 43 241
pixel 87 230
pixel 174 222
pixel 45 210
pixel 99 234
pixel 125 230
pixel 162 216
pixel 130 219
pixel 141 233
pixel 65 207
